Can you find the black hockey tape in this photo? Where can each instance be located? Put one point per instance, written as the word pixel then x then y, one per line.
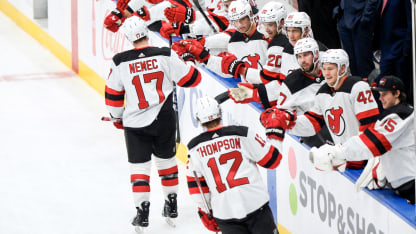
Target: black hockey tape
pixel 222 97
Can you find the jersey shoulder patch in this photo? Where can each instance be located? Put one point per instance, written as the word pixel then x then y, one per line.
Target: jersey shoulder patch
pixel 134 54
pixel 225 131
pixel 279 40
pixel 403 110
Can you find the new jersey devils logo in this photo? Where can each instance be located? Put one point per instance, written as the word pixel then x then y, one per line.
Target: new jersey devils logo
pixel 336 122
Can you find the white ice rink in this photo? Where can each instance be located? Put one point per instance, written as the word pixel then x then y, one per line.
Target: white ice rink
pixel 62 170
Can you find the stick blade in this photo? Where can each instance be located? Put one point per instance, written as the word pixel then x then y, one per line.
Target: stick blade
pixel 181 152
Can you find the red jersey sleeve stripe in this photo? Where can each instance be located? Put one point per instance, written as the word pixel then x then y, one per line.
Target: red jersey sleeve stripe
pixel 376 142
pixel 168 171
pixel 272 159
pixel 367 117
pixel 114 92
pixel 191 79
pixel 114 103
pixel 268 76
pixel 316 120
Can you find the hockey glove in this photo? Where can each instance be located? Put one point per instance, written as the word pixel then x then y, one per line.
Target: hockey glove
pixel 372 176
pixel 277 121
pixel 122 5
pixel 170 29
pixel 154 1
pixel 114 20
pixel 209 222
pixel 181 51
pixel 118 124
pixel 143 13
pixel 245 93
pixel 231 65
pixel 328 158
pixel 180 11
pixel 196 49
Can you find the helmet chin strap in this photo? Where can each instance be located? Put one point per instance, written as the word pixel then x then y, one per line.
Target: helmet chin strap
pixel 338 77
pixel 251 25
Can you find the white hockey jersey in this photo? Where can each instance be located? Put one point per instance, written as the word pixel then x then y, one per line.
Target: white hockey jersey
pixel 392 138
pixel 289 61
pixel 225 162
pixel 346 112
pixel 144 79
pixel 251 49
pixel 271 68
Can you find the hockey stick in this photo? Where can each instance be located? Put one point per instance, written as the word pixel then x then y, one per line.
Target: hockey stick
pixel 181 149
pixel 110 119
pixel 198 183
pixel 222 97
pixel 204 15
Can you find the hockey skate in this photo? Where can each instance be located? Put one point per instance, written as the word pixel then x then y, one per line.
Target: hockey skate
pixel 170 210
pixel 142 218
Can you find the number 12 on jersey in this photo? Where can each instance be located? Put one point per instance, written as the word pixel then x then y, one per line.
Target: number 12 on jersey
pixel 231 181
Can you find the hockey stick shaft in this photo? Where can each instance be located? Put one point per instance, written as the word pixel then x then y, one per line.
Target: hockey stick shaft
pixel 196 3
pixel 110 119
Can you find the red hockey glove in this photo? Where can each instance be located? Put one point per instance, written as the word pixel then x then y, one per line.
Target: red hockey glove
pixel 231 65
pixel 114 20
pixel 118 124
pixel 196 49
pixel 245 93
pixel 154 1
pixel 143 13
pixel 182 52
pixel 181 11
pixel 170 29
pixel 276 122
pixel 209 222
pixel 122 5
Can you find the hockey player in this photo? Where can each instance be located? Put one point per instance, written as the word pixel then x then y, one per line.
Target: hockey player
pixel 344 103
pixel 223 161
pixel 297 90
pixel 297 26
pixel 391 140
pixel 272 17
pixel 142 77
pixel 246 43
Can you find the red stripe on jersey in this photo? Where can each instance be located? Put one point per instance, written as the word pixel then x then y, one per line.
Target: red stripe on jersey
pixel 366 114
pixel 141 189
pixel 316 125
pixel 134 177
pixel 194 75
pixel 364 127
pixel 370 145
pixel 272 157
pixel 112 103
pixel 168 171
pixel 267 75
pixel 383 140
pixel 114 92
pixel 171 182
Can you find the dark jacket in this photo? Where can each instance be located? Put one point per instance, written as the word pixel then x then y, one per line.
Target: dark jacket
pixel 394 33
pixel 359 11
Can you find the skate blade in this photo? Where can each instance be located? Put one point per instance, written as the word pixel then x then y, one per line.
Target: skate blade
pixel 139 230
pixel 170 222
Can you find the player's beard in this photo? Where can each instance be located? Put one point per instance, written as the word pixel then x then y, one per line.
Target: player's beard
pixel 308 69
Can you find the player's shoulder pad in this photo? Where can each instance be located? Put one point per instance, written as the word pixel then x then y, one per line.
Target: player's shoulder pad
pixel 321 46
pixel 297 80
pixel 288 49
pixel 349 83
pixel 403 110
pixel 237 37
pixel 225 131
pixel 131 55
pixel 279 40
